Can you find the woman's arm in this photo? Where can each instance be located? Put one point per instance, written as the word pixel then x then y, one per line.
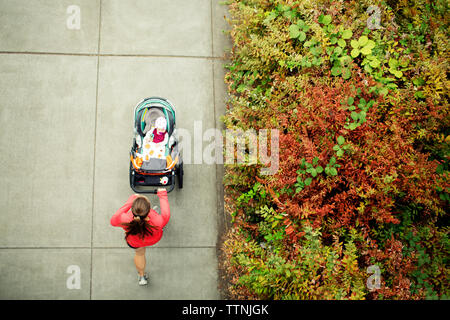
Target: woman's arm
pixel 116 220
pixel 164 205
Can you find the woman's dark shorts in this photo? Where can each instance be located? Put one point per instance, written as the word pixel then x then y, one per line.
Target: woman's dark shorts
pixel 131 246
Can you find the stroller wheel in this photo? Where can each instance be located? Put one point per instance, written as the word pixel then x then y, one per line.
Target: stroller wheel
pixel 180 176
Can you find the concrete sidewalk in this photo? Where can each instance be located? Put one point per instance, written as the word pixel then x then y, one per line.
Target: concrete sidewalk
pixel 66 108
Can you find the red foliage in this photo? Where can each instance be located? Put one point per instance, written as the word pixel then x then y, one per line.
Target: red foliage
pixel 395 264
pixel 380 166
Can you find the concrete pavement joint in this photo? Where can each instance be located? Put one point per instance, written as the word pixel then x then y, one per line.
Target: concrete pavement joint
pixel 219 223
pixel 112 55
pixel 95 147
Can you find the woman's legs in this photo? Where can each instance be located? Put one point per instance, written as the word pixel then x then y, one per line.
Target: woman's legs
pixel 139 260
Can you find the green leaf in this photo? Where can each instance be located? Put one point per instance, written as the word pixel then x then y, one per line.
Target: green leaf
pixel 241 88
pixel 341 43
pixel 393 63
pixel 330 28
pixel 354 115
pixel 347 34
pixel 345 60
pixel 283 8
pixel 368 68
pixel 307 44
pixel 333 171
pixel 362 116
pixel 321 18
pixel 418 82
pixel 375 63
pixel 294 31
pixel 272 15
pixel 314 50
pixel 289 14
pixel 354 44
pixel 384 91
pixel 346 74
pixel 354 53
pixel 350 100
pixel 336 147
pixel 340 153
pixel 333 40
pixel 329 50
pixel 335 71
pixel 370 44
pixel 326 20
pixel 391 86
pixel 315 160
pixel 353 126
pixel 332 160
pixel 340 140
pixel 302 36
pixel 300 23
pixel 363 40
pixel 308 181
pixel 314 172
pixel 319 169
pixel 365 51
pixel 338 50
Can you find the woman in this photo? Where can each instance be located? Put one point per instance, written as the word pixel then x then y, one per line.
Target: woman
pixel 143 226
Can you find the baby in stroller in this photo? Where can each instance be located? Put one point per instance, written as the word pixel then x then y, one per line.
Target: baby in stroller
pixel 155 159
pixel 154 144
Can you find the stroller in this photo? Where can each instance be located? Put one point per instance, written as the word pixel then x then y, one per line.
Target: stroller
pixel 159 171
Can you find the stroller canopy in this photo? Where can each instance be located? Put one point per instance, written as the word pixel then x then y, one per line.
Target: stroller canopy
pixel 148 110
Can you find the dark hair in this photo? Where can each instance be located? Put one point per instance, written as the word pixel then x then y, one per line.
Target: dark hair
pixel 140 209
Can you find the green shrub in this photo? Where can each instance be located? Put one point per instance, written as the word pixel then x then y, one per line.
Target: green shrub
pixel 364 149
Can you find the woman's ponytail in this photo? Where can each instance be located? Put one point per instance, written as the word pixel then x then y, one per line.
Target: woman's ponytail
pixel 139 226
